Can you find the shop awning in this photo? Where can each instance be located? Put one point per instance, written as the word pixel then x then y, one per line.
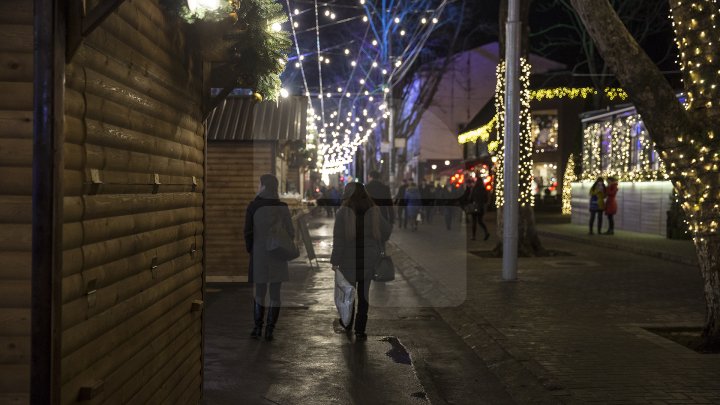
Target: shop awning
pixel 244 119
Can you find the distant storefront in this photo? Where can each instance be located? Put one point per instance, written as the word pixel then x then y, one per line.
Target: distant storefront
pixel 616 143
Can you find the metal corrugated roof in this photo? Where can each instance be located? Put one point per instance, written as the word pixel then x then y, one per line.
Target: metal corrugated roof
pixel 244 119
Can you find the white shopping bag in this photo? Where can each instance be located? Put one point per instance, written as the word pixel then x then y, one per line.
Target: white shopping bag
pixel 344 297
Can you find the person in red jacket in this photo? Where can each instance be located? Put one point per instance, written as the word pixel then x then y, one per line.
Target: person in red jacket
pixel 611 204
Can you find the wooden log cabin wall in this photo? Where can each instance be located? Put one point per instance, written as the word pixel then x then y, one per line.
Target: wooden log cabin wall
pixel 133 211
pixel 16 98
pixel 132 268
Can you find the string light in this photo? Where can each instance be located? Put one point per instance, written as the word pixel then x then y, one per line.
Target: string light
pixel 527 196
pixel 537 95
pixel 568 179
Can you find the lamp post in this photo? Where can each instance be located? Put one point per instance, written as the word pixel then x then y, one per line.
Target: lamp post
pixel 512 142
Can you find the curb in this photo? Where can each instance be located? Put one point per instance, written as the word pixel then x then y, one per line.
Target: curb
pixel 690 261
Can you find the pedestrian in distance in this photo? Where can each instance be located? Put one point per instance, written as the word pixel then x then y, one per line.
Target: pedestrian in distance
pixel 611 204
pixel 380 193
pixel 450 199
pixel 359 235
pixel 479 197
pixel 401 204
pixel 597 203
pixel 267 271
pixel 427 191
pixel 414 205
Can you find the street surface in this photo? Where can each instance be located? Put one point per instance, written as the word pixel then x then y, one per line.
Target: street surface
pixel 570 330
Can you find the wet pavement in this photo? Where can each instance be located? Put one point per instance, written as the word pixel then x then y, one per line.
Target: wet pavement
pixel 411 356
pixel 578 328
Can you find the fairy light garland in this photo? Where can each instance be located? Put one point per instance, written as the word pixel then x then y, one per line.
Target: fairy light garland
pixel 617 160
pixel 568 178
pixel 527 196
pixel 341 136
pixel 483 132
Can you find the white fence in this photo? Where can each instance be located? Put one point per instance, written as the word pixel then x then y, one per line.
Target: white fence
pixel 642 206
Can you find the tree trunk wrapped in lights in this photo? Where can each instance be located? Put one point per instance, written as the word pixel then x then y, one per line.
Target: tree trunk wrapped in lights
pixel 686 136
pixel 528 242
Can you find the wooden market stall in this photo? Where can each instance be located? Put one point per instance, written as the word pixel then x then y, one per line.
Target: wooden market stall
pixel 16 98
pixel 246 139
pixel 102 193
pixel 101 204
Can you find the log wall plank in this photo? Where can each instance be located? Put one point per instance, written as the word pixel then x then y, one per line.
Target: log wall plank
pixel 16 104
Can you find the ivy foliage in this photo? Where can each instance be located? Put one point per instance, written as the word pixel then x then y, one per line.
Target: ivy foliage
pixel 256 54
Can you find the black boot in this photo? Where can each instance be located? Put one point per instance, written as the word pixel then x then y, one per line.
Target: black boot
pixel 258 315
pixel 273 313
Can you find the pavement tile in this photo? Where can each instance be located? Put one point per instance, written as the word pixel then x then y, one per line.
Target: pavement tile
pixel 581 325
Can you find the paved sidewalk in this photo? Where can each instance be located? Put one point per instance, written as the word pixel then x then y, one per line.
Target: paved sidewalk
pixel 411 356
pixel 680 251
pixel 578 323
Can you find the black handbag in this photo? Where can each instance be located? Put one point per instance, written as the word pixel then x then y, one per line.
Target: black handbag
pixel 384 269
pixel 280 244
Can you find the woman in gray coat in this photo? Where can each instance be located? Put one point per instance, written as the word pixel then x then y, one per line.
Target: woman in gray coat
pixel 266 270
pixel 359 235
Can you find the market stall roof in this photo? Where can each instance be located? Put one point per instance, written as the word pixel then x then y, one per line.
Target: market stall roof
pixel 244 119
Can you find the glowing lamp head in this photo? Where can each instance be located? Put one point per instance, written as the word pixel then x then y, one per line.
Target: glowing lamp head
pixel 276 27
pixel 284 93
pixel 447 163
pixel 204 5
pixel 434 167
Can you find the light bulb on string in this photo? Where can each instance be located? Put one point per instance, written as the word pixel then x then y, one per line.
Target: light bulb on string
pixel 297 11
pixel 397 20
pixel 435 20
pixel 327 13
pixel 423 20
pixel 365 19
pixel 347 51
pixel 402 33
pixel 374 42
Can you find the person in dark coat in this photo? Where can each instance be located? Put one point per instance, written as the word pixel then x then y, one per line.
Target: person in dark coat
pixel 427 191
pixel 597 203
pixel 401 203
pixel 267 272
pixel 359 234
pixel 479 197
pixel 380 193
